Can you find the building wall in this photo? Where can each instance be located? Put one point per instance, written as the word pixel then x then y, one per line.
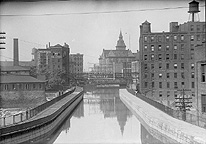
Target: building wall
pixel 76 63
pixel 169 53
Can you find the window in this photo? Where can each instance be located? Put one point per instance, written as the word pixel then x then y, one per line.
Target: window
pixel 34 86
pixel 168 75
pixel 182 66
pixel 182 56
pixel 40 86
pixel 183 84
pixel 152 56
pixel 167 56
pixel 6 87
pixel 175 75
pixel 182 75
pixel 175 47
pixel 175 93
pixel 175 66
pixel 168 84
pixel 182 47
pixel 198 37
pixel 152 38
pixel 145 75
pixel 152 47
pixel 168 93
pixel 13 86
pixel 167 47
pixel 145 66
pixel 145 39
pixel 175 37
pixel 203 101
pixel 152 84
pixel 152 75
pixel 192 65
pixel 175 85
pixel 27 86
pixel 191 28
pixel 159 47
pixel 167 38
pixel 160 93
pixel 203 71
pixel 198 27
pixel 175 56
pixel 152 66
pixel 192 47
pixel 193 85
pixel 160 65
pixel 167 66
pixel 160 84
pixel 182 37
pixel 145 57
pixel 160 56
pixel 192 55
pixel 145 84
pixel 192 75
pixel 193 94
pixel 159 38
pixel 145 48
pixel 160 75
pixel 192 37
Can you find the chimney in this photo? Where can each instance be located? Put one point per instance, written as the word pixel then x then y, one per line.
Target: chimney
pixel 16 52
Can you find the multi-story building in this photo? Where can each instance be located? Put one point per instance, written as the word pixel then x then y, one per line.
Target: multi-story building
pixel 52 59
pixel 167 58
pixel 76 64
pixel 109 59
pixel 200 77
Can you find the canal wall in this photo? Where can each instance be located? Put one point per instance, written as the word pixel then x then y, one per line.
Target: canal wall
pixel 175 129
pixel 38 126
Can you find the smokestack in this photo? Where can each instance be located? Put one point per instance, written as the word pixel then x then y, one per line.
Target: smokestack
pixel 16 52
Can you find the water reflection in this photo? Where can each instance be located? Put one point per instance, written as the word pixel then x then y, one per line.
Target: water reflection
pixel 102 118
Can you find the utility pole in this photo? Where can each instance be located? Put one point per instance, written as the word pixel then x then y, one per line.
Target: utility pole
pixel 2 37
pixel 183 103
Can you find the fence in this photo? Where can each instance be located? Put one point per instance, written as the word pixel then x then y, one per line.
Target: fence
pixel 188 117
pixel 22 116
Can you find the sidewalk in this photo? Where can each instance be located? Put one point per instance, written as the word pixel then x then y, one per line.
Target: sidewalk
pixel 178 130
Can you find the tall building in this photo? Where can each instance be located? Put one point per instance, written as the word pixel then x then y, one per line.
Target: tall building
pixel 76 64
pixel 111 60
pixel 52 59
pixel 167 58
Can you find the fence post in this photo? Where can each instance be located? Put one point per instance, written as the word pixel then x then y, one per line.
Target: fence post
pixel 13 119
pixel 21 116
pixel 26 114
pixel 4 121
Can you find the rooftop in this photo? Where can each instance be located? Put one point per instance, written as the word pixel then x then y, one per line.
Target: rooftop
pixel 19 79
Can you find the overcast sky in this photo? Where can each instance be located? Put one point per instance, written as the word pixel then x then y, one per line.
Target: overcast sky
pixel 87 26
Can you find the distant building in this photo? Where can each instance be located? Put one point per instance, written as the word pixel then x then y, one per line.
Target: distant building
pixel 18 88
pixel 110 59
pixel 76 64
pixel 167 59
pixel 52 59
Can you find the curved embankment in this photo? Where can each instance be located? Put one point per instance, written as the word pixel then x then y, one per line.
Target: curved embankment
pixel 175 129
pixel 50 117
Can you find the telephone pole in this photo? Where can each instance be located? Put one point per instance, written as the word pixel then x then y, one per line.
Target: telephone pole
pixel 183 103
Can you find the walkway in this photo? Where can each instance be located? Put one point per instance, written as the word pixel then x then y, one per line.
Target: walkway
pixel 176 129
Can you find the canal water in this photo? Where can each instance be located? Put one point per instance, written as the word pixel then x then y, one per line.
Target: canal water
pixel 103 118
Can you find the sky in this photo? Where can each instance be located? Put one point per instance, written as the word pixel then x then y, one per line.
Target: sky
pixel 87 27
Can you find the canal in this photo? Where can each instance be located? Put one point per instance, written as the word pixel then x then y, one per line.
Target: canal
pixel 102 118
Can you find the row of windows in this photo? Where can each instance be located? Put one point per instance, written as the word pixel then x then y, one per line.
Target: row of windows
pixel 21 87
pixel 167 57
pixel 168 94
pixel 175 38
pixel 168 66
pixel 168 75
pixel 160 47
pixel 162 38
pixel 198 28
pixel 167 85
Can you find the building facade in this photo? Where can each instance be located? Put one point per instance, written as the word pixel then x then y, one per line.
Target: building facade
pixel 52 59
pixel 167 59
pixel 110 61
pixel 76 64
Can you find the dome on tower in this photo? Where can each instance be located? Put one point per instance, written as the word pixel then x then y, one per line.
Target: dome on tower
pixel 120 43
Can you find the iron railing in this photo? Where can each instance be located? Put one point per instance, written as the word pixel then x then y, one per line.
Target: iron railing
pixel 22 116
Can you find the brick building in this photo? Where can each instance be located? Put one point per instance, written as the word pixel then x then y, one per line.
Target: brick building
pixel 167 59
pixel 76 64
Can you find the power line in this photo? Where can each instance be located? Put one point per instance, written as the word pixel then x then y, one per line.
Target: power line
pixel 87 13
